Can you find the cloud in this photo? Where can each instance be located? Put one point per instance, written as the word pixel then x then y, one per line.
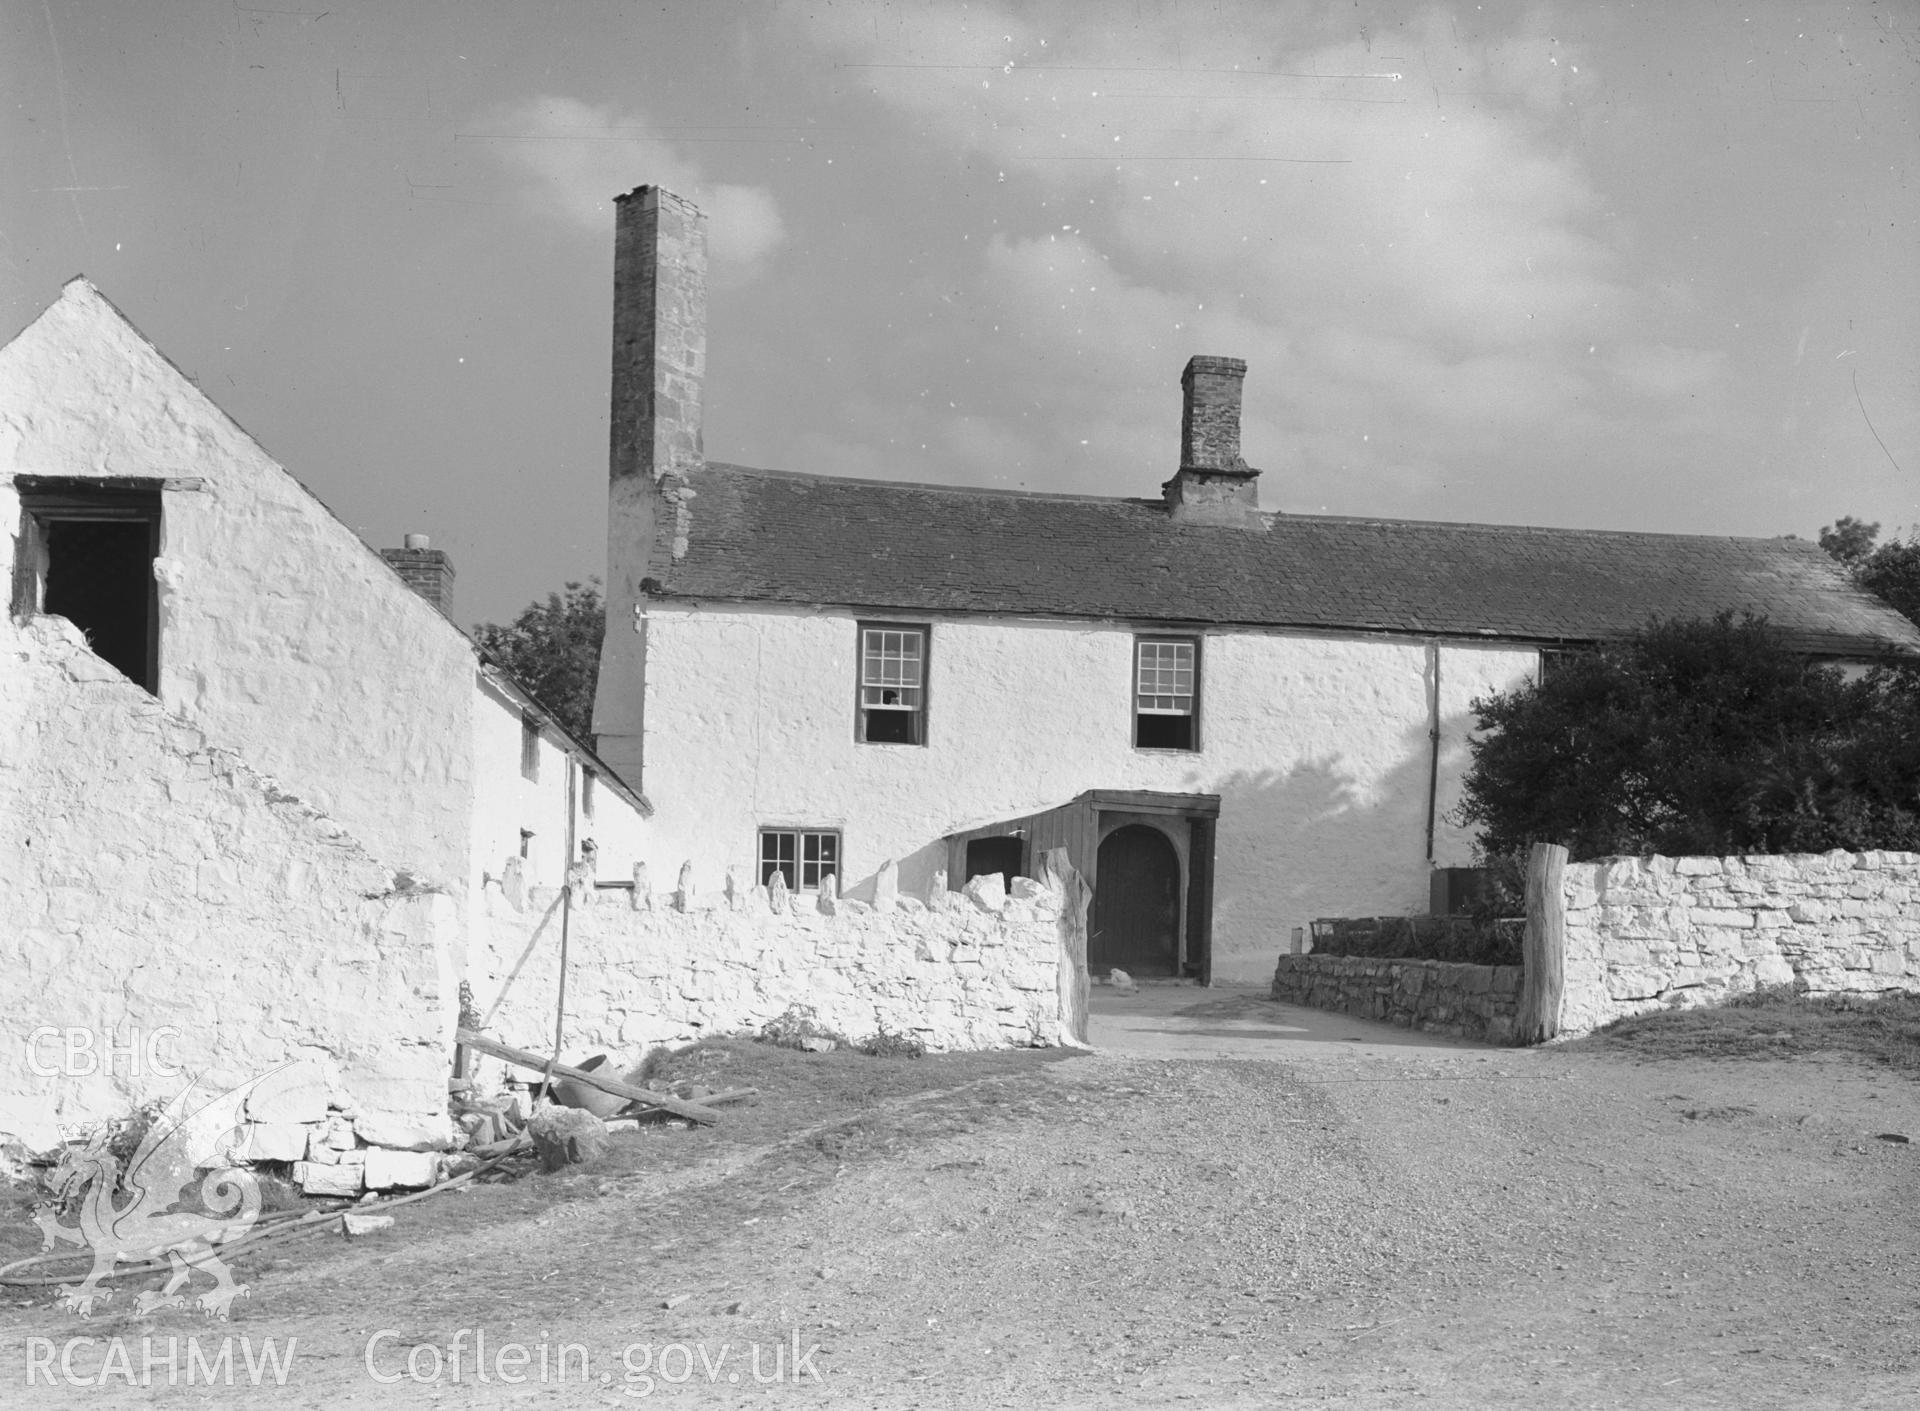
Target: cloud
pixel 573 158
pixel 1396 229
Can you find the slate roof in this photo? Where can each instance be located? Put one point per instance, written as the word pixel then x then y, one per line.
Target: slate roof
pixel 775 536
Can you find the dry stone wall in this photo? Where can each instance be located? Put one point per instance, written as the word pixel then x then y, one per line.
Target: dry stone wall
pixel 1435 996
pixel 1647 933
pixel 170 913
pixel 970 969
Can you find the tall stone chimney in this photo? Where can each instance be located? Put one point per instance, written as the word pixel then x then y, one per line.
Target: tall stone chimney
pixel 428 571
pixel 659 333
pixel 1213 485
pixel 655 452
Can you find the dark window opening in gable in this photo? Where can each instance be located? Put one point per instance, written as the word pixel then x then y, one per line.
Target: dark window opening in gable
pixel 1166 693
pixel 86 554
pixel 892 706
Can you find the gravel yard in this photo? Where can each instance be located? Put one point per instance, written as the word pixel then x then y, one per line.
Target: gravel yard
pixel 1350 1225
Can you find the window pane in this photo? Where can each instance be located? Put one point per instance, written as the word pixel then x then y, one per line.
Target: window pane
pixel 1164 677
pixel 776 855
pixel 892 684
pixel 818 857
pixel 802 857
pixel 890 659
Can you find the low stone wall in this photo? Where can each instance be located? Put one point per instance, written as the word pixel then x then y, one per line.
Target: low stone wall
pixel 1435 996
pixel 167 913
pixel 1647 933
pixel 971 969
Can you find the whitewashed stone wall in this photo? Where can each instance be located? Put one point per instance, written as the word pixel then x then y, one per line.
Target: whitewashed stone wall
pixel 1647 933
pixel 975 969
pixel 152 881
pixel 1317 746
pixel 506 801
pixel 282 635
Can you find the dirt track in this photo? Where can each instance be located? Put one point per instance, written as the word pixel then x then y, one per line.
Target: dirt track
pixel 1362 1228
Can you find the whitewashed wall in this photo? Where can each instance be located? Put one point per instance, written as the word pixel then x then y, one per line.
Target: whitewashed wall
pixel 1663 932
pixel 505 801
pixel 282 635
pixel 975 970
pixel 1318 747
pixel 150 880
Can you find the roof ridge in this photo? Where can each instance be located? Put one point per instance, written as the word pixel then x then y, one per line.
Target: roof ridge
pixel 822 477
pixel 1273 516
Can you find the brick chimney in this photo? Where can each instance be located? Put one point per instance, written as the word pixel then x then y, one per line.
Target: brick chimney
pixel 428 571
pixel 1213 485
pixel 659 333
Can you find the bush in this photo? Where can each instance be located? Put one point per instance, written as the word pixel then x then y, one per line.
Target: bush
pixel 799 1026
pixel 884 1043
pixel 1698 738
pixel 1462 940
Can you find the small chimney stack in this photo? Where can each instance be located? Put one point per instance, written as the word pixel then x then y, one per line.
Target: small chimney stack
pixel 427 570
pixel 659 334
pixel 1213 485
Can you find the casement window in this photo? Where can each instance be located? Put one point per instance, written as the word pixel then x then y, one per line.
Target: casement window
pixel 86 554
pixel 802 855
pixel 892 707
pixel 1166 693
pixel 530 747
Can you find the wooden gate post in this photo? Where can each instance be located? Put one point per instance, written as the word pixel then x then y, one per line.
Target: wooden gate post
pixel 1075 895
pixel 1544 950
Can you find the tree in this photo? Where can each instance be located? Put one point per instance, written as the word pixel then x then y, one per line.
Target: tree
pixel 553 649
pixel 1890 570
pixel 1848 539
pixel 1893 572
pixel 1698 737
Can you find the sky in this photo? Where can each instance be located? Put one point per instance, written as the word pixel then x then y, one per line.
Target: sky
pixel 1591 264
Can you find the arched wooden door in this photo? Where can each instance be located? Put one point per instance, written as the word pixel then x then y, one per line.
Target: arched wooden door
pixel 1136 904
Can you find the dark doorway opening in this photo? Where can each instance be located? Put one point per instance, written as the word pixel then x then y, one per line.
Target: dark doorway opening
pixel 1003 855
pixel 1136 904
pixel 87 556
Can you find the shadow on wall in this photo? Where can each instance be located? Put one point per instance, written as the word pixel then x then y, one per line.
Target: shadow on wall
pixel 1320 839
pixel 1317 839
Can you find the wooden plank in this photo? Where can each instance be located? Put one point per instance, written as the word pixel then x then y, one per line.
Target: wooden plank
pixel 1155 801
pixel 692 1111
pixel 1072 980
pixel 1544 946
pixel 1200 923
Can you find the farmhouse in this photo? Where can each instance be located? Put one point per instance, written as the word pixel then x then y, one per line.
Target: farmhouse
pixel 1234 720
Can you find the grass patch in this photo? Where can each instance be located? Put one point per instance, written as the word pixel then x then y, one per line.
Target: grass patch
pixel 1770 1023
